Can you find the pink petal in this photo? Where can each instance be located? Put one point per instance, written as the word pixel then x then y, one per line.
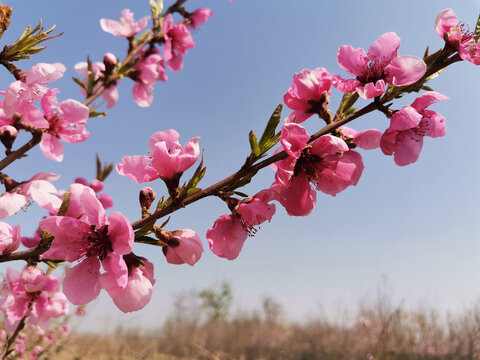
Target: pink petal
pixel 143 94
pixel 115 278
pixel 120 233
pixel 137 169
pixel 405 70
pixel 446 19
pixel 345 86
pixel 51 147
pixel 297 117
pixel 137 293
pixel 299 196
pixel 294 139
pixel 106 200
pixel 111 96
pixel 384 49
pixel 43 73
pixel 404 119
pixel 354 61
pixel 371 90
pixel 427 99
pixel 69 236
pixel 84 205
pixel 409 148
pixel 10 203
pixel 368 139
pixel 226 237
pixel 74 112
pixel 436 124
pixel 82 282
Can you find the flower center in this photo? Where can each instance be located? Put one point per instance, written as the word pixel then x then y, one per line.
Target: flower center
pixel 97 243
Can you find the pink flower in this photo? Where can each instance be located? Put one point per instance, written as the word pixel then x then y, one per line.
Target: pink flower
pixel 379 66
pixel 67 121
pixel 366 139
pixel 457 35
pixel 200 17
pixel 110 95
pixel 177 41
pixel 97 186
pixel 408 126
pixel 151 69
pixel 309 94
pixel 168 158
pixel 327 163
pixel 20 95
pixel 138 292
pixel 38 188
pixel 86 235
pixel 126 27
pixel 9 238
pixel 32 285
pixel 184 246
pixel 229 232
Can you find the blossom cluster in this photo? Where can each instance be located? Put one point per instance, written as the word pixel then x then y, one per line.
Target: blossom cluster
pixel 99 246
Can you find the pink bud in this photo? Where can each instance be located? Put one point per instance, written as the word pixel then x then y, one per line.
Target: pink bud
pixel 147 196
pixel 8 134
pixel 184 247
pixel 109 58
pixel 9 238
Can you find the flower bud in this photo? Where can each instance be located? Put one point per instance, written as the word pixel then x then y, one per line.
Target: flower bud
pixel 109 60
pixel 8 134
pixel 147 196
pixel 9 238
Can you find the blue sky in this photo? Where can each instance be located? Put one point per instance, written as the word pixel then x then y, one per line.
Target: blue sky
pixel 415 224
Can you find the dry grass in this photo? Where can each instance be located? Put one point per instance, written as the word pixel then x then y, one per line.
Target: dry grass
pixel 379 331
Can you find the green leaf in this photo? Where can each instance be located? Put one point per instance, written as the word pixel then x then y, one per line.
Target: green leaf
pixel 149 240
pixel 434 75
pixel 348 100
pixel 79 82
pixel 53 263
pixel 240 194
pixel 427 88
pixel 254 144
pixel 476 33
pixel 165 223
pixel 94 114
pixel 271 127
pixel 192 191
pixel 64 207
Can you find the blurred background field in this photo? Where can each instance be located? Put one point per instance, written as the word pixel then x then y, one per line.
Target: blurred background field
pixel 204 326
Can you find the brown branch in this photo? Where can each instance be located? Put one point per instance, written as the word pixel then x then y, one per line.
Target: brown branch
pixel 36 138
pixel 19 328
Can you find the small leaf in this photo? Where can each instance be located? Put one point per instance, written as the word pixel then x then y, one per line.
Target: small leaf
pixel 425 55
pixel 271 127
pixel 434 75
pixel 53 263
pixel 427 88
pixel 79 82
pixel 192 191
pixel 240 194
pixel 165 222
pixel 254 144
pixel 149 240
pixel 476 33
pixel 348 100
pixel 94 114
pixel 64 207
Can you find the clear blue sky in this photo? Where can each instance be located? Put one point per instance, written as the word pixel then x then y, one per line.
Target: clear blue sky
pixel 416 224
